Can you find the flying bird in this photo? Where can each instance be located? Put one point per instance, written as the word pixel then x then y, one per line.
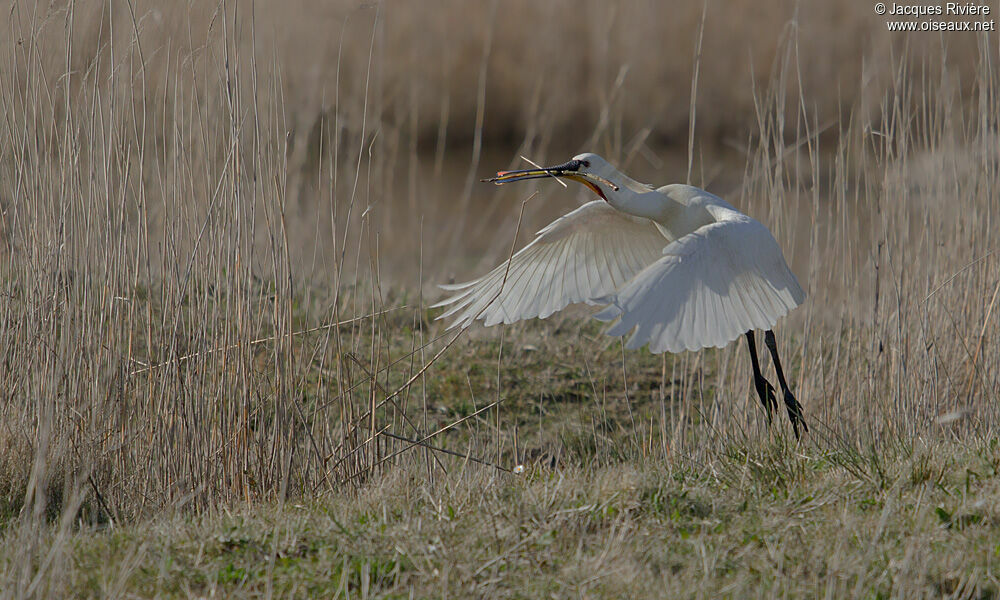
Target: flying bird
pixel 677 267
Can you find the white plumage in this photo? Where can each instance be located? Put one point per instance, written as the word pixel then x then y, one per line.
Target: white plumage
pixel 705 288
pixel 710 287
pixel 580 257
pixel 676 267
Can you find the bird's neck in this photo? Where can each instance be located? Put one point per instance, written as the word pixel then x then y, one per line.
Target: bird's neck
pixel 634 198
pixel 676 209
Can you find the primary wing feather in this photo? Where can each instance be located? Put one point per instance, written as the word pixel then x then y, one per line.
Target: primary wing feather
pixel 582 256
pixel 707 289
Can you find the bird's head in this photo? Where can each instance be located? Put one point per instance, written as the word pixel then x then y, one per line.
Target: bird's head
pixel 587 168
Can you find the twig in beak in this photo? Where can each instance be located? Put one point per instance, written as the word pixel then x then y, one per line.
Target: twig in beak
pixel 538 166
pixel 599 179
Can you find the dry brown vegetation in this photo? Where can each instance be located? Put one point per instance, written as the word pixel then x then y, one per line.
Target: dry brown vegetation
pixel 221 225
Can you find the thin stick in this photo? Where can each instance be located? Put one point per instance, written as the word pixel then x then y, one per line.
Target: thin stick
pixel 260 341
pixel 441 352
pixel 417 442
pixel 503 283
pixel 979 345
pixel 694 89
pixel 445 451
pixel 499 363
pixel 959 272
pixel 628 401
pixel 538 166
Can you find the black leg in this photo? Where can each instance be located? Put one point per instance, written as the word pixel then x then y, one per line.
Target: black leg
pixel 765 391
pixel 793 406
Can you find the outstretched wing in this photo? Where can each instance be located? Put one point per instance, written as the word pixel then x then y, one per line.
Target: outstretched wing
pixel 709 287
pixel 581 256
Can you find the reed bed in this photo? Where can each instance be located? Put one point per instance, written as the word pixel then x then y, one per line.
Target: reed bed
pixel 222 225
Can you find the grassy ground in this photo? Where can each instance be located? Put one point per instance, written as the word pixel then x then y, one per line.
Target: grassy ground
pixel 762 520
pixel 600 510
pixel 220 375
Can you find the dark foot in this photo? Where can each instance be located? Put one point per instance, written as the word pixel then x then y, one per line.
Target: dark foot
pixel 793 406
pixel 765 391
pixel 795 413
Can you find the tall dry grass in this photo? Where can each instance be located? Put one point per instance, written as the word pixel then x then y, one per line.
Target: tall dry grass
pixel 219 224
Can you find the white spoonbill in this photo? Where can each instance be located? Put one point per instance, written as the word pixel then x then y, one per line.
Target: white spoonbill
pixel 679 268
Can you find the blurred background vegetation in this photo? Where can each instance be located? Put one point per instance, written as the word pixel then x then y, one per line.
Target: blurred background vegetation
pixel 221 224
pixel 428 97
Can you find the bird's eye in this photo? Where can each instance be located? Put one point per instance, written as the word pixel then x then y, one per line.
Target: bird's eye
pixel 585 163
